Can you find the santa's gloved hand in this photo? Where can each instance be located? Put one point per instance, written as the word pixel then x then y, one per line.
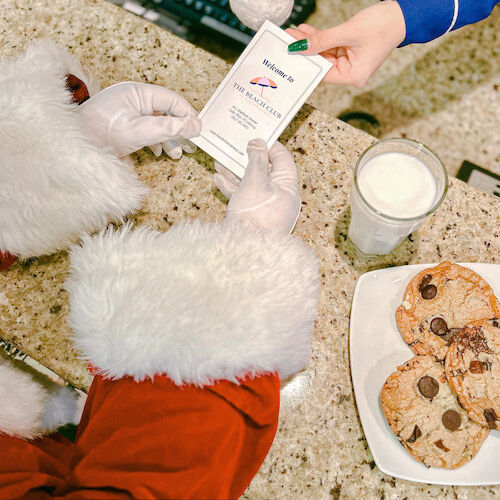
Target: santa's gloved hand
pixel 267 197
pixel 128 116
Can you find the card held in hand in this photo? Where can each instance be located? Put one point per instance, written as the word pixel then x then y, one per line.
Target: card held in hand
pixel 258 98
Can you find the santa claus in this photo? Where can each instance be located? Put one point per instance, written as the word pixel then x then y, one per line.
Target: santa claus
pixel 187 332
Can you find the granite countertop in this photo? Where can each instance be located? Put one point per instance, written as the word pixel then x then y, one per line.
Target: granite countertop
pixel 319 451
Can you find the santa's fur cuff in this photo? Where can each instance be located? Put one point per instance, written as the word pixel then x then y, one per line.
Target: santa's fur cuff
pixel 31 405
pixel 22 403
pixel 200 303
pixel 54 184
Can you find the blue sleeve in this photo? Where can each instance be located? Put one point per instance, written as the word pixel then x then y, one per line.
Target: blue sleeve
pixel 429 19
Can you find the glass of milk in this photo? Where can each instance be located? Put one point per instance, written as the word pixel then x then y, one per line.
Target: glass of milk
pixel 397 184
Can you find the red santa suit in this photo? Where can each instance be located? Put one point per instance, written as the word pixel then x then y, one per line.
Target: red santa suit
pixel 188 332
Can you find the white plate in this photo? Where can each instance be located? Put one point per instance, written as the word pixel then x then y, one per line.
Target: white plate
pixel 376 349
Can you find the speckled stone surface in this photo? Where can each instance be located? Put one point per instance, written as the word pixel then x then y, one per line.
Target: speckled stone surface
pixel 319 451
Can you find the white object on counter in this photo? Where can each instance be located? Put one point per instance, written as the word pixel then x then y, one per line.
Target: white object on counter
pixel 397 184
pixel 253 13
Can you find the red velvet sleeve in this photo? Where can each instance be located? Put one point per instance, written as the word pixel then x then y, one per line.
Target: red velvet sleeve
pixel 33 469
pixel 153 440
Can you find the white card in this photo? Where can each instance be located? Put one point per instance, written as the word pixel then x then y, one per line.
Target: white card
pixel 259 97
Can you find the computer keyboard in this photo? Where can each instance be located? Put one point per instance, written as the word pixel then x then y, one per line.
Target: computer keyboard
pixel 214 16
pixel 480 178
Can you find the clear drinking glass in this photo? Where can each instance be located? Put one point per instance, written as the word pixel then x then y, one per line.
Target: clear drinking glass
pixel 371 231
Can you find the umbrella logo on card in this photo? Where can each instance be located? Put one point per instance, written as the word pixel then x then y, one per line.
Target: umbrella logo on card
pixel 263 82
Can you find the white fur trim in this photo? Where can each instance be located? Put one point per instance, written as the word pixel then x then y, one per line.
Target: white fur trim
pixel 54 184
pixel 63 406
pixel 31 404
pixel 22 403
pixel 43 55
pixel 202 302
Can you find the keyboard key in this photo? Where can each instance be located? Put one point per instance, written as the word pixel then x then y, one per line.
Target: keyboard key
pixel 134 7
pixel 223 17
pixel 151 15
pixel 225 29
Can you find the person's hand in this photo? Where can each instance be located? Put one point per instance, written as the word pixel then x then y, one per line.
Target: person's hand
pixel 128 116
pixel 356 48
pixel 268 196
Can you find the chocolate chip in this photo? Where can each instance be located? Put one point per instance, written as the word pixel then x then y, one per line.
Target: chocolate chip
pixel 451 420
pixel 425 281
pixel 415 435
pixel 428 292
pixel 439 326
pixel 477 366
pixel 495 323
pixel 428 386
pixel 490 416
pixel 440 445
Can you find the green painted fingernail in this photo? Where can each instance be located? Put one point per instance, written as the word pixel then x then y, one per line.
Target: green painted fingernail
pixel 298 46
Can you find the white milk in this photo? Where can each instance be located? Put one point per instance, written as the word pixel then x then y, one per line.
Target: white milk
pixel 397 185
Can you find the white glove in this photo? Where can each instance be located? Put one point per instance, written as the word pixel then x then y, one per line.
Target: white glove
pixel 125 117
pixel 267 197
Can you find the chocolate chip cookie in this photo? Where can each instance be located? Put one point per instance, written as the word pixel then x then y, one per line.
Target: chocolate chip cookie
pixel 423 412
pixel 473 370
pixel 440 300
